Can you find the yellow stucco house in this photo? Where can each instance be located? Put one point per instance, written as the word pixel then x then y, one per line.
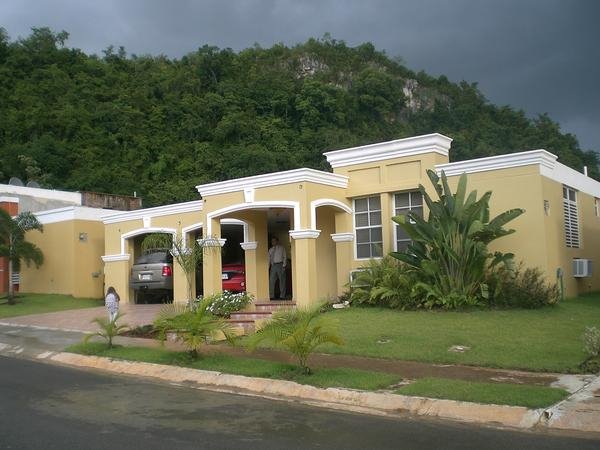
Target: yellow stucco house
pixel 332 223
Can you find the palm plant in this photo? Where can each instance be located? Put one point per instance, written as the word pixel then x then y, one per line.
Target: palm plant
pixel 108 329
pixel 15 248
pixel 449 250
pixel 299 331
pixel 193 327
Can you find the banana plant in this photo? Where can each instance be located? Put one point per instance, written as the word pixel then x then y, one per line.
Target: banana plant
pixel 449 250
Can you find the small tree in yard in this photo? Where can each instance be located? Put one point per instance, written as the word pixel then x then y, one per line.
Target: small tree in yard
pixel 299 331
pixel 15 248
pixel 449 251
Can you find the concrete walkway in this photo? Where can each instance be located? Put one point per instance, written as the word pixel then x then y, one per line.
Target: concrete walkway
pixel 81 319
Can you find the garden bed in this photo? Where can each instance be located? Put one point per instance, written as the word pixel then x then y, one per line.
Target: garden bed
pixel 323 377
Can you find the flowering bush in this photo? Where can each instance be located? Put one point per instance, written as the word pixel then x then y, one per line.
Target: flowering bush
pixel 224 303
pixel 591 341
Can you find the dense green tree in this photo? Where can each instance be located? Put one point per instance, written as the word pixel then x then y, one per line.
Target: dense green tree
pixel 15 248
pixel 88 122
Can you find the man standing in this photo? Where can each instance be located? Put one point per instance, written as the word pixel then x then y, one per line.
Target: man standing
pixel 277 263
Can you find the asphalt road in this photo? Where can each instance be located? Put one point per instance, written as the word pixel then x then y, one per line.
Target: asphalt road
pixel 43 406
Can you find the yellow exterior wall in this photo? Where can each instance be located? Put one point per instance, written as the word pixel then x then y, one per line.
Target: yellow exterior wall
pixel 519 187
pixel 88 277
pixel 71 266
pixel 559 255
pixel 383 178
pixel 117 272
pixel 321 266
pixel 537 242
pixel 325 249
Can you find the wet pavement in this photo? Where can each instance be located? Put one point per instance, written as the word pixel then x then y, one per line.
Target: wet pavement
pixel 52 407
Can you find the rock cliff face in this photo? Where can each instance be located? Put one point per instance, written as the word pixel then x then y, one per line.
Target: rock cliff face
pixel 309 65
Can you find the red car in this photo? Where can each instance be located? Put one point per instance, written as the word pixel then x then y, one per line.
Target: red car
pixel 234 277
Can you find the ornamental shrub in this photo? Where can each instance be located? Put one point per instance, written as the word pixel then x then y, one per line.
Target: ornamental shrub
pixel 385 282
pixel 591 345
pixel 449 251
pixel 591 341
pixel 224 303
pixel 520 288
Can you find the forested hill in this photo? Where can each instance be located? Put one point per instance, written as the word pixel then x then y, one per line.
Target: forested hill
pixel 160 126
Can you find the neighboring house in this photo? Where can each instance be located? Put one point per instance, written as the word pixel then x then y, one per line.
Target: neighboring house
pixel 330 223
pixel 333 223
pixel 72 241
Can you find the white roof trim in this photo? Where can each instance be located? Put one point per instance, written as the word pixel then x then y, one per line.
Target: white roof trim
pixel 115 258
pixel 416 145
pixel 304 234
pixel 274 179
pixel 176 208
pixel 249 245
pixel 50 194
pixel 342 237
pixel 9 199
pixel 547 162
pixel 70 213
pixel 541 158
pixel 565 175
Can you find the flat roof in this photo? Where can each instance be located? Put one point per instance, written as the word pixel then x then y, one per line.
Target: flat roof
pixel 274 179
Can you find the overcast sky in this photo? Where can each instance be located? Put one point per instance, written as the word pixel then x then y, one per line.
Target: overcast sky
pixel 540 56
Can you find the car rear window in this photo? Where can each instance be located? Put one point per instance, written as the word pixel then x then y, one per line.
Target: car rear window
pixel 156 257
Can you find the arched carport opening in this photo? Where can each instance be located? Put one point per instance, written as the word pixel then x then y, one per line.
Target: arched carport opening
pixel 233 233
pixel 264 220
pixel 145 285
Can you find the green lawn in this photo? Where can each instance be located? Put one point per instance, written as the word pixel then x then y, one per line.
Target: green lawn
pixel 349 378
pixel 492 393
pixel 547 339
pixel 43 303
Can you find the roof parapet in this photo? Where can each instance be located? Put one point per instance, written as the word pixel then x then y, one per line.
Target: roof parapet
pixel 416 145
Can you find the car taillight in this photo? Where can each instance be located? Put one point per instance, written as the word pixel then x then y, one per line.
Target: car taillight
pixel 167 271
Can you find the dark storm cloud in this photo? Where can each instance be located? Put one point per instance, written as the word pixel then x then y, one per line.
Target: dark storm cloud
pixel 540 56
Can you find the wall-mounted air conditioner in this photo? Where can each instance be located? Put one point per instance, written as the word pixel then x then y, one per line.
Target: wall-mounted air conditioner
pixel 582 268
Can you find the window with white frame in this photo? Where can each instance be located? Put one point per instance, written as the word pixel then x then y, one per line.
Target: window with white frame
pixel 367 225
pixel 597 207
pixel 405 202
pixel 571 217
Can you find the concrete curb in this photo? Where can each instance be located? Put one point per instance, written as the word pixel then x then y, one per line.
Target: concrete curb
pixel 377 403
pixel 580 411
pixel 39 327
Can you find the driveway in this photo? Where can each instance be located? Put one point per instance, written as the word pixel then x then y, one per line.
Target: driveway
pixel 81 319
